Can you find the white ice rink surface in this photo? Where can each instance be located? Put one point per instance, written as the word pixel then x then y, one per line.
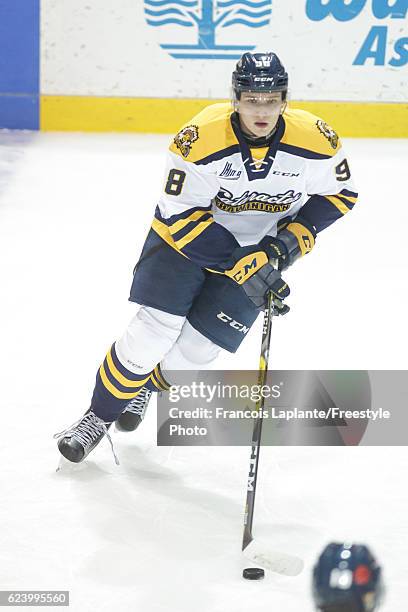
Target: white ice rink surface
pixel 162 531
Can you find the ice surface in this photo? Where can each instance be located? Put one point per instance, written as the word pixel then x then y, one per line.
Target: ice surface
pixel 163 530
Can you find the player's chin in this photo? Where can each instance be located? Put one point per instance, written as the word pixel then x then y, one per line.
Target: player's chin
pixel 261 128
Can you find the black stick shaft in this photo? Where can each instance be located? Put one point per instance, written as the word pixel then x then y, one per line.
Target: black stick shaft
pixel 257 430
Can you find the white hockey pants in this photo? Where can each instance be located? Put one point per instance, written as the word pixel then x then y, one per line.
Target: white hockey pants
pixel 153 337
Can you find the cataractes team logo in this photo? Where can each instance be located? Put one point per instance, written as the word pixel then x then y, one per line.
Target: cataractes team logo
pixel 205 29
pixel 185 138
pixel 263 202
pixel 328 133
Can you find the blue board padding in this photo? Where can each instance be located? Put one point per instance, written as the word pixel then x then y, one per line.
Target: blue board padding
pixel 19 63
pixel 19 112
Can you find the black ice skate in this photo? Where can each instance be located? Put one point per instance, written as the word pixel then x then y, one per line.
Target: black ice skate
pixel 76 442
pixel 134 412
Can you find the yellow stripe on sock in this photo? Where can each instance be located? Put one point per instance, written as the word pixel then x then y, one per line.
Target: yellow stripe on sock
pixel 164 385
pixel 115 392
pixel 126 382
pixel 155 381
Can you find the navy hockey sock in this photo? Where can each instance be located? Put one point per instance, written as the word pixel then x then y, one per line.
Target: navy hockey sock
pixel 157 382
pixel 115 387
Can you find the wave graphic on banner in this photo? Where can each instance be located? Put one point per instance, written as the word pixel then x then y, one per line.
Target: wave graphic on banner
pixel 208 18
pixel 165 12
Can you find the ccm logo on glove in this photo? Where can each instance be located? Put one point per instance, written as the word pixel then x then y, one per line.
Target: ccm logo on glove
pixel 257 276
pixel 247 266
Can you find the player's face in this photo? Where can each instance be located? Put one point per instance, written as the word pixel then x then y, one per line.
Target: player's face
pixel 259 112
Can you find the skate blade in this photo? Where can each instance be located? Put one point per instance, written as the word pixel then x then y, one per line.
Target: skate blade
pixel 68 466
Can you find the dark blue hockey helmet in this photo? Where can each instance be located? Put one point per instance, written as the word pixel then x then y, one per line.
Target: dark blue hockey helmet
pixel 259 72
pixel 347 578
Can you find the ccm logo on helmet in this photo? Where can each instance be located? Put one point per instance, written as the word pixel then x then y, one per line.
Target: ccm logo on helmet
pixel 232 323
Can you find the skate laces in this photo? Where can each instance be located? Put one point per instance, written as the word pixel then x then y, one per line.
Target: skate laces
pixel 138 405
pixel 86 430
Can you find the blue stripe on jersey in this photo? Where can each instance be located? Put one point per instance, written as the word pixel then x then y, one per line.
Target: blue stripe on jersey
pixel 182 215
pixel 190 226
pixel 212 248
pixel 350 194
pixel 319 212
pixel 219 155
pixel 302 152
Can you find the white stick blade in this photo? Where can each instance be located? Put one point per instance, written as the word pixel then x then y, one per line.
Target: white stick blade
pixel 281 563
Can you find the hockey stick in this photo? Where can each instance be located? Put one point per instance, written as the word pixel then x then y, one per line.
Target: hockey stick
pixel 281 563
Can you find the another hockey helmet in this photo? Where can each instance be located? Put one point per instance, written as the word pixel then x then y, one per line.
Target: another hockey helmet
pixel 346 578
pixel 259 72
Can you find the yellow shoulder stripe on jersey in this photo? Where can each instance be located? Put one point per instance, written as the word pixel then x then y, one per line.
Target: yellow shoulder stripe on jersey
pixel 304 237
pixel 338 204
pixel 307 131
pixel 210 132
pixel 112 389
pixel 199 229
pixel 178 225
pixel 126 382
pixel 247 266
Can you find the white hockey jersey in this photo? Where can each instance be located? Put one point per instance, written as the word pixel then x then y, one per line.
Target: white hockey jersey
pixel 219 193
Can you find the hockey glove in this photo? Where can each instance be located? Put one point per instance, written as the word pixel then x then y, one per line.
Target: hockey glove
pixel 256 276
pixel 296 240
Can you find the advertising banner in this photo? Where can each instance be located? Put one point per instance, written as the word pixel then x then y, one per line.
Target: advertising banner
pixel 334 50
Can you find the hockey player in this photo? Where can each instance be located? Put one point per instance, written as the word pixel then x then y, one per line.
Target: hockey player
pixel 347 578
pixel 247 185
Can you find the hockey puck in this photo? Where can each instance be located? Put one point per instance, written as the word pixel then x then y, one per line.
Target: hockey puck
pixel 253 573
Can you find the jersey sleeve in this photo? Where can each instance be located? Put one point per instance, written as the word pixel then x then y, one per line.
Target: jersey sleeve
pixel 331 190
pixel 185 207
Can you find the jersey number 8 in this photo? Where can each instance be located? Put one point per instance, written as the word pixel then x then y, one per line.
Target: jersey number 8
pixel 175 182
